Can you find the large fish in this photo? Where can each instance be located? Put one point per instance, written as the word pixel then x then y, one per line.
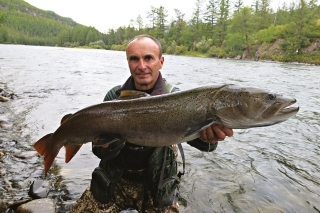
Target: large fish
pixel 166 119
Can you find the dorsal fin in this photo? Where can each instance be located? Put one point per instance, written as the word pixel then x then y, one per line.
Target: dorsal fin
pixel 132 94
pixel 65 117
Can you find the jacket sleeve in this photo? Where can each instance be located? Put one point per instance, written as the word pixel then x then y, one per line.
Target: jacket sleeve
pixel 202 146
pixel 106 153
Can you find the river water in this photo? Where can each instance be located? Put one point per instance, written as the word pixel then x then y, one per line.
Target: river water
pixel 268 169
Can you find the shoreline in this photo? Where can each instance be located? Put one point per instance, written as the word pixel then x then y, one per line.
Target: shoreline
pixel 20 164
pixel 263 56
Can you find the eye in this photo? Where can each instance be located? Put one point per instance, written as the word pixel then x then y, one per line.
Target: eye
pixel 271 97
pixel 133 58
pixel 148 57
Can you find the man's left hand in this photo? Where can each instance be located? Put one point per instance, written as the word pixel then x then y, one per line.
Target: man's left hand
pixel 215 133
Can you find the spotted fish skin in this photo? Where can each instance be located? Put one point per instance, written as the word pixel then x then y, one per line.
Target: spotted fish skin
pixel 166 119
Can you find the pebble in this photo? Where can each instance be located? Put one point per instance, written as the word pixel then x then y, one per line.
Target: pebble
pixel 4 99
pixel 5 124
pixel 38 206
pixel 26 154
pixel 39 189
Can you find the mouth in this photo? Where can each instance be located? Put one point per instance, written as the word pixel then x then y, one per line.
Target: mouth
pixel 143 74
pixel 288 109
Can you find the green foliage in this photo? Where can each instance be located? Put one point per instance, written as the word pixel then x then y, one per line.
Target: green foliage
pixel 313 58
pixel 4 37
pixel 270 34
pixel 212 31
pixel 97 45
pixel 118 47
pixel 234 42
pixel 25 24
pixel 217 52
pixel 175 49
pixel 204 45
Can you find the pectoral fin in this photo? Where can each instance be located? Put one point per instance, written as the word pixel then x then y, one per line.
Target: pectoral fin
pixel 193 131
pixel 106 139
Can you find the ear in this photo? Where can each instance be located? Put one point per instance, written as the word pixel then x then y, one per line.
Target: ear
pixel 161 62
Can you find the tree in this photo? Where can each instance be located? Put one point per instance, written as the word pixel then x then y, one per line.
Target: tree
pixel 242 25
pixel 196 21
pixel 211 16
pixel 304 22
pixel 139 22
pixel 238 5
pixel 176 28
pixel 264 16
pixel 223 21
pixel 161 22
pixel 152 16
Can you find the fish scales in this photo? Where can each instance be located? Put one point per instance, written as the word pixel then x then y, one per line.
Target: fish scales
pixel 167 119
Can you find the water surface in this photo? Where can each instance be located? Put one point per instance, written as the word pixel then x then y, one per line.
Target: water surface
pixel 268 169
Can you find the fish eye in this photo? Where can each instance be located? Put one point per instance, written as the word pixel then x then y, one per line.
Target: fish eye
pixel 271 97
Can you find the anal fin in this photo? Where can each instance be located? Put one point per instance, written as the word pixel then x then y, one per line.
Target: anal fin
pixel 71 150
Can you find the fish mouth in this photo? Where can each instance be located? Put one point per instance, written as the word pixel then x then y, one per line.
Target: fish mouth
pixel 288 109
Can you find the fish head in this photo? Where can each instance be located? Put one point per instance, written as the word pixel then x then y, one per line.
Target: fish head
pixel 245 107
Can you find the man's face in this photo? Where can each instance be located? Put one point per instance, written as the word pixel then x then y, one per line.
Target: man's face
pixel 144 62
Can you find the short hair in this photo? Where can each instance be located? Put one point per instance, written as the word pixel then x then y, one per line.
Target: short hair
pixel 156 41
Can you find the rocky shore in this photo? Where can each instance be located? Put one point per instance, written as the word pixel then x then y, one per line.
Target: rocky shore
pixel 23 187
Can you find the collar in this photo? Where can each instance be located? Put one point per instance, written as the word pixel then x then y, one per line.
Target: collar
pixel 158 88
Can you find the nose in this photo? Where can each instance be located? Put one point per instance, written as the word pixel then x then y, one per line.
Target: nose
pixel 142 65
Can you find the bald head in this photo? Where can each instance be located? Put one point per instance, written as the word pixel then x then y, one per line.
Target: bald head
pixel 145 36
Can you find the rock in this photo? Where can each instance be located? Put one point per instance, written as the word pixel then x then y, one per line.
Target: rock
pixel 39 189
pixel 5 124
pixel 238 57
pixel 3 206
pixel 14 204
pixel 1 154
pixel 26 154
pixel 37 206
pixel 4 99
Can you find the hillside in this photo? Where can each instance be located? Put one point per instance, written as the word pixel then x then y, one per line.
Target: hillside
pixel 26 24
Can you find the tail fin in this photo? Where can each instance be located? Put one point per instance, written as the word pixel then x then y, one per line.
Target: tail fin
pixel 71 150
pixel 43 149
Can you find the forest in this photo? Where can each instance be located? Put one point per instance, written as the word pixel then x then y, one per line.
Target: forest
pixel 217 28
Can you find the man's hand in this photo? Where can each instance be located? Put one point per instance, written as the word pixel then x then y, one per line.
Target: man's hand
pixel 215 133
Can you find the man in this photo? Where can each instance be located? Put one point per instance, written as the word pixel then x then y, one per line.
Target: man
pixel 135 177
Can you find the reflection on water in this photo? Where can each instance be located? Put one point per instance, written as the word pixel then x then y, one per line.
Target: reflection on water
pixel 268 169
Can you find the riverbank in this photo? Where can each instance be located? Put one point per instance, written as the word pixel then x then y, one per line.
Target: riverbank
pixel 21 164
pixel 272 51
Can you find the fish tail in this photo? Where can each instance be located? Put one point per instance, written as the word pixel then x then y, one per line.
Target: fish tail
pixel 71 150
pixel 49 155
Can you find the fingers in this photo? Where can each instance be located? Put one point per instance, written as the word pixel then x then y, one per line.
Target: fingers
pixel 227 131
pixel 105 145
pixel 215 133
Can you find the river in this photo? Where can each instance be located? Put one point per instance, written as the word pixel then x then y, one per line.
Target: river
pixel 267 169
